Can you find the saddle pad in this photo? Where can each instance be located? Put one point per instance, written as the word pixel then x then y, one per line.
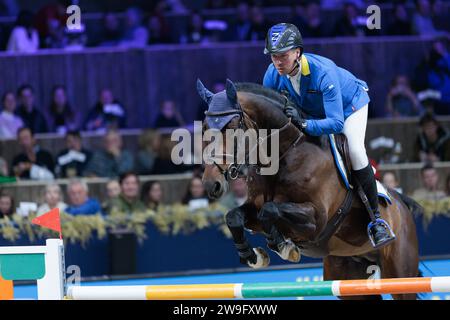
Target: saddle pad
pixel 382 192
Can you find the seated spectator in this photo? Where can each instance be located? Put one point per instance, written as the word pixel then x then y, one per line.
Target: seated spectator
pixel 62 117
pixel 390 181
pixel 298 16
pixel 112 161
pixel 349 25
pixel 135 34
pixel 53 199
pixel 422 22
pixel 79 201
pixel 152 195
pixel 33 163
pixel 313 26
pixel 195 196
pixel 128 201
pixel 4 172
pixel 237 195
pixel 9 122
pixel 50 22
pixel 149 145
pixel 28 112
pixel 196 32
pixel 72 161
pixel 7 206
pixel 111 33
pixel 169 116
pixel 401 100
pixel 106 114
pixel 158 30
pixel 401 25
pixel 259 26
pixel 438 73
pixel 112 191
pixel 430 183
pixel 24 38
pixel 240 29
pixel 432 143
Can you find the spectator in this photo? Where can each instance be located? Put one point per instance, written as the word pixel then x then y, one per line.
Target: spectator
pixel 350 25
pixel 152 195
pixel 112 192
pixel 113 160
pixel 62 117
pixel 430 181
pixel 24 38
pixel 401 100
pixel 447 185
pixel 432 143
pixel 390 180
pixel 106 114
pixel 110 35
pixel 203 106
pixel 51 20
pixel 4 172
pixel 128 201
pixel 438 73
pixel 196 32
pixel 135 34
pixel 149 144
pixel 196 194
pixel 237 195
pixel 240 30
pixel 313 26
pixel 31 116
pixel 298 16
pixel 80 203
pixel 400 25
pixel 72 161
pixel 7 206
pixel 158 30
pixel 422 22
pixel 34 162
pixel 169 116
pixel 259 26
pixel 9 122
pixel 53 199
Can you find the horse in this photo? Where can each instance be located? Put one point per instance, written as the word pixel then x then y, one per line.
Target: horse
pixel 306 201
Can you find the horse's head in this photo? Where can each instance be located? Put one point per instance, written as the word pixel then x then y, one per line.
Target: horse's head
pixel 224 112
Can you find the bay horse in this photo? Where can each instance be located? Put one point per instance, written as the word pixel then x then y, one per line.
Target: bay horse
pixel 304 200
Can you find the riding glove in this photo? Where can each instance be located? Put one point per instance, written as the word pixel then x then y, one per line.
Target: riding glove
pixel 292 112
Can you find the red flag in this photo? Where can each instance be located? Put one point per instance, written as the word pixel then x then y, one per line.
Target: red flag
pixel 50 220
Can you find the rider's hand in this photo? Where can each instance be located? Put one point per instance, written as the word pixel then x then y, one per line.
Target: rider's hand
pixel 292 112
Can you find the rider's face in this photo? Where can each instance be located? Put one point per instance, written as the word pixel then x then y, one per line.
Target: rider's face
pixel 285 62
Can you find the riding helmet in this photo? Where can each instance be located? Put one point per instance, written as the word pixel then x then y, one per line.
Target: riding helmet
pixel 283 37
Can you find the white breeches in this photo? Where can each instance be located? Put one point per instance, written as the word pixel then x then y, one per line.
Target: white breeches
pixel 355 131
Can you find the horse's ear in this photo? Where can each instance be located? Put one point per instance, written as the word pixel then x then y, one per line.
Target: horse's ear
pixel 204 93
pixel 231 91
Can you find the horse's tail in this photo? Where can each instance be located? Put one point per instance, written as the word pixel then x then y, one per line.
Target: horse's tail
pixel 415 208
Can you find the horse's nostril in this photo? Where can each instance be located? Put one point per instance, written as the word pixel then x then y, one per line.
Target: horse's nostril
pixel 216 188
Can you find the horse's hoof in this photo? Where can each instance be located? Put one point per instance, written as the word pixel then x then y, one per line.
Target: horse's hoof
pixel 262 260
pixel 289 251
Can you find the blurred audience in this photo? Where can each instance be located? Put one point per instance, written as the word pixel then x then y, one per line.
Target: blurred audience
pixel 24 38
pixel 28 112
pixel 438 74
pixel 108 113
pixel 128 201
pixel 9 121
pixel 149 145
pixel 432 143
pixel 237 195
pixel 401 100
pixel 34 162
pixel 112 191
pixel 111 32
pixel 51 21
pixel 158 30
pixel 7 205
pixel 350 24
pixel 62 117
pixel 4 172
pixel 400 25
pixel 240 29
pixel 259 24
pixel 79 201
pixel 390 180
pixel 447 185
pixel 53 198
pixel 313 26
pixel 422 22
pixel 112 160
pixel 152 195
pixel 135 34
pixel 169 116
pixel 72 161
pixel 430 182
pixel 195 196
pixel 196 31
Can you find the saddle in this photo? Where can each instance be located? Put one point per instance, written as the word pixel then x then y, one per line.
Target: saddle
pixel 342 147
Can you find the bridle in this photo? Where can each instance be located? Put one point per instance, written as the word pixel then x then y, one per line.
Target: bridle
pixel 234 171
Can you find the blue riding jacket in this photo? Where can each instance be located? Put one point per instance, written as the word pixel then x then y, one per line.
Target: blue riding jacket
pixel 328 93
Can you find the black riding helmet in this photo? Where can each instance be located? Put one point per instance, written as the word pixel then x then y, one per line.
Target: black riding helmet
pixel 283 37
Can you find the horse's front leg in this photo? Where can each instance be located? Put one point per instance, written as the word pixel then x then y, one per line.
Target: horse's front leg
pixel 299 219
pixel 236 220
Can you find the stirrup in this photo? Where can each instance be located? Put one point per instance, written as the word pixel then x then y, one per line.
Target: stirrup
pixel 385 225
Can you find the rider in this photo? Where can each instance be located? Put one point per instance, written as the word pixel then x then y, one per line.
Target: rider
pixel 333 100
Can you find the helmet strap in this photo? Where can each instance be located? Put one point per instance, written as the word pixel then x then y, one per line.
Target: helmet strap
pixel 296 66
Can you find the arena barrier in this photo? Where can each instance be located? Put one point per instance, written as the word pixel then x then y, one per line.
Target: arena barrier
pixel 46 265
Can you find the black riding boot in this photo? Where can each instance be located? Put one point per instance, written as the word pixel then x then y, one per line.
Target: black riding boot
pixel 378 229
